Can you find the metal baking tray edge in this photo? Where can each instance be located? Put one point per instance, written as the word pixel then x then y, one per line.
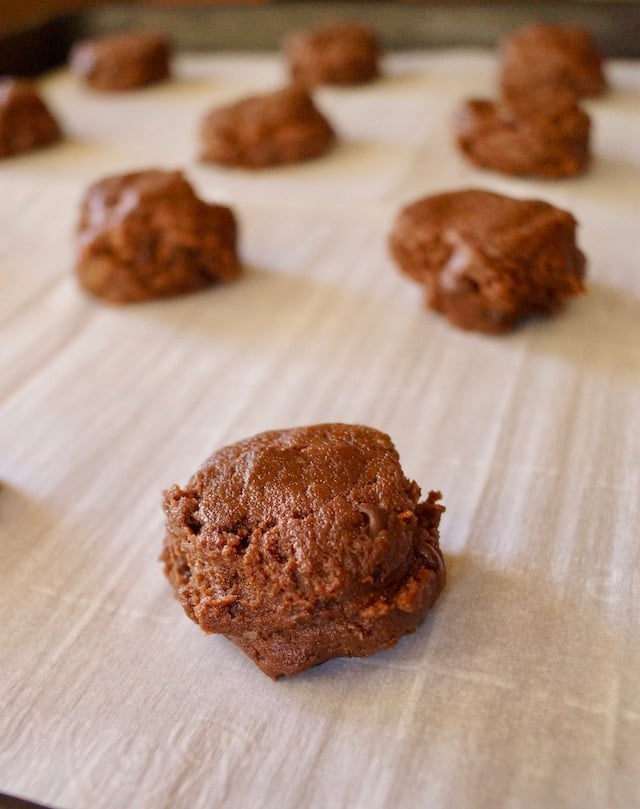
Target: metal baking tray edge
pixel 258 28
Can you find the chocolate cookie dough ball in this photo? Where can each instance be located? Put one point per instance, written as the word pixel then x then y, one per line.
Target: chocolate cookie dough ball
pixel 147 235
pixel 25 121
pixel 345 53
pixel 121 61
pixel 488 261
pixel 543 135
pixel 560 57
pixel 305 544
pixel 267 130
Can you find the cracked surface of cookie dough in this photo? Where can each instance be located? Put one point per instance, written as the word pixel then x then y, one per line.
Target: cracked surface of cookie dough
pixel 267 130
pixel 305 544
pixel 147 235
pixel 559 57
pixel 121 61
pixel 487 261
pixel 25 121
pixel 344 53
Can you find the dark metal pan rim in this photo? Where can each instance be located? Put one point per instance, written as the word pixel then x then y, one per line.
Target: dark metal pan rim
pixel 401 25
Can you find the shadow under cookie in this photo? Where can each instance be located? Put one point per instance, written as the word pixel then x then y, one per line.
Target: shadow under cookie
pixel 261 306
pixel 353 171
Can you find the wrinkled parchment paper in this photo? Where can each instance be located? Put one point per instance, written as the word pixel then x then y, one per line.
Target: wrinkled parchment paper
pixel 522 688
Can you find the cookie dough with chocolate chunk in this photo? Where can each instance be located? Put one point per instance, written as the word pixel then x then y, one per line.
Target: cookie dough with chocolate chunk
pixel 147 235
pixel 345 53
pixel 488 261
pixel 122 61
pixel 559 57
pixel 25 121
pixel 305 544
pixel 543 135
pixel 268 130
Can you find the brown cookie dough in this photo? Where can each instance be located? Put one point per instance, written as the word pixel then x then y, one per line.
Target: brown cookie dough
pixel 559 57
pixel 121 61
pixel 543 135
pixel 25 121
pixel 306 544
pixel 147 235
pixel 488 261
pixel 267 130
pixel 345 53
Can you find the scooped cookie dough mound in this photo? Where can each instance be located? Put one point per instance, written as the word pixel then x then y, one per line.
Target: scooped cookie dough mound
pixel 559 57
pixel 543 135
pixel 121 62
pixel 268 130
pixel 303 545
pixel 147 235
pixel 25 121
pixel 343 53
pixel 486 260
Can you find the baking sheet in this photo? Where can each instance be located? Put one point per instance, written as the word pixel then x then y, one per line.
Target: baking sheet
pixel 521 688
pixel 254 27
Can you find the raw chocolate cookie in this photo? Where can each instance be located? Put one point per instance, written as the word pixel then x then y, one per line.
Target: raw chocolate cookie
pixel 25 121
pixel 147 235
pixel 121 61
pixel 305 544
pixel 267 130
pixel 542 135
pixel 561 57
pixel 339 54
pixel 488 261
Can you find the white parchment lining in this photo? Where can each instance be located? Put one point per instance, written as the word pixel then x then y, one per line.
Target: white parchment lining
pixel 522 688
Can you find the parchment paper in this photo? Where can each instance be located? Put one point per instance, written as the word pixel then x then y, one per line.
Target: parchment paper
pixel 522 688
